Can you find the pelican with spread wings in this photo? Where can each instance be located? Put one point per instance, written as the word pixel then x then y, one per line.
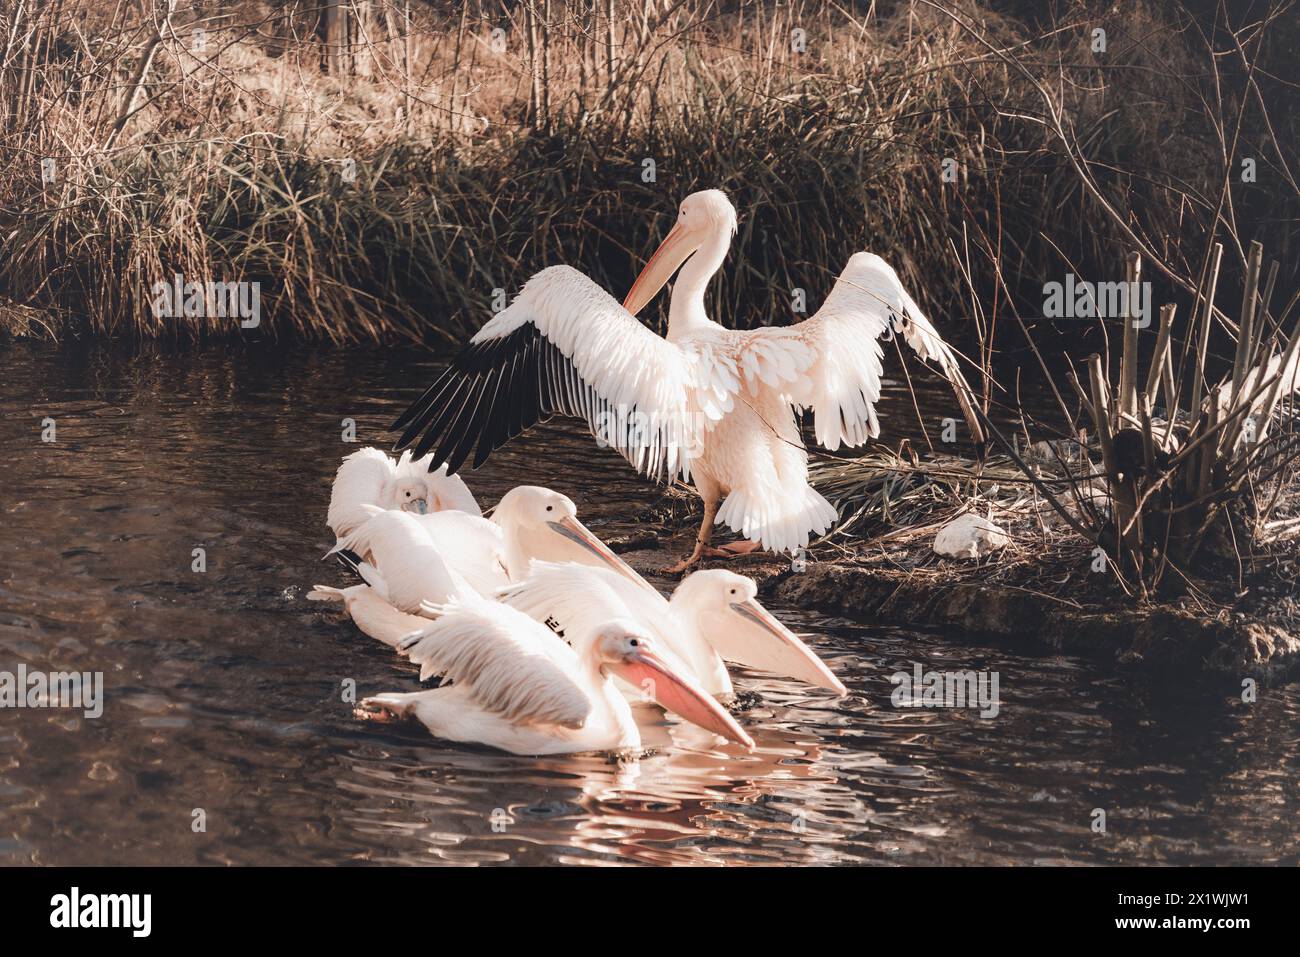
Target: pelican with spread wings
pixel 714 406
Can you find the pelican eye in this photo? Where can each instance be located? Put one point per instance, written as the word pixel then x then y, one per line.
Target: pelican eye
pixel 550 508
pixel 634 643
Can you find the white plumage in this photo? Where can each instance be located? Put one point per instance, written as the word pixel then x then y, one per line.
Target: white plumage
pixel 706 404
pixel 516 687
pixel 371 613
pixel 713 615
pixel 369 477
pixel 472 545
pixel 402 563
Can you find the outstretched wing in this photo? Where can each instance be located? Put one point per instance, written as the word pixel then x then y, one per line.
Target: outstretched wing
pixel 566 347
pixel 831 362
pixel 508 663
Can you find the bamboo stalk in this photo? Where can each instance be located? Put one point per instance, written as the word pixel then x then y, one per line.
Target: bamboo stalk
pixel 1203 343
pixel 1286 382
pixel 1209 451
pixel 1245 336
pixel 1154 373
pixel 1101 410
pixel 1128 358
pixel 1148 435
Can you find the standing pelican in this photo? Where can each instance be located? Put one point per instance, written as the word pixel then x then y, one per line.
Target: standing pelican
pixel 517 688
pixel 715 405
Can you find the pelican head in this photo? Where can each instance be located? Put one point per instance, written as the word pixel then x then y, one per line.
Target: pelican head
pixel 723 606
pixel 412 495
pixel 541 524
pixel 625 650
pixel 704 218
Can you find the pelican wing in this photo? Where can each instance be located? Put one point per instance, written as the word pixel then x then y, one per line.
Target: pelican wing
pixel 508 663
pixel 571 599
pixel 566 347
pixel 366 478
pixel 471 545
pixel 832 361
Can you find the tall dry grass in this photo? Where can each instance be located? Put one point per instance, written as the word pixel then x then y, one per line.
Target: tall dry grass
pixel 490 140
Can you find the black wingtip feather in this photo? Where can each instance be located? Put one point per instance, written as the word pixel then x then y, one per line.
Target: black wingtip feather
pixel 493 391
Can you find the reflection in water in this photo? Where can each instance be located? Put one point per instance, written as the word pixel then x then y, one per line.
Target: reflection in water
pixel 225 689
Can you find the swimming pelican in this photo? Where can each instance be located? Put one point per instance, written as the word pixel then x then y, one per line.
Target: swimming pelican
pixel 402 563
pixel 472 545
pixel 712 404
pixel 516 687
pixel 530 522
pixel 713 615
pixel 537 523
pixel 371 613
pixel 370 477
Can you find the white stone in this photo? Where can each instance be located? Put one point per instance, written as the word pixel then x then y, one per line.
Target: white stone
pixel 969 536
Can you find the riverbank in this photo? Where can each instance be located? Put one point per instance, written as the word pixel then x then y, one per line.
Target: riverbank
pixel 1042 594
pixel 1162 637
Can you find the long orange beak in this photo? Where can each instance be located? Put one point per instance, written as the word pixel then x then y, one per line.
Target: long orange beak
pixel 672 252
pixel 676 693
pixel 766 644
pixel 576 532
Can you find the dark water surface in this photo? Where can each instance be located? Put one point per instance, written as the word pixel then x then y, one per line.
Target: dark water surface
pixel 224 689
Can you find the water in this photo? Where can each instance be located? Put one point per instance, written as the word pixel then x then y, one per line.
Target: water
pixel 224 689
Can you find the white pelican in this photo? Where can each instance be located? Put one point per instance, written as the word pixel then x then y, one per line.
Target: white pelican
pixel 370 477
pixel 716 405
pixel 713 615
pixel 517 688
pixel 472 545
pixel 530 522
pixel 402 563
pixel 372 614
pixel 537 523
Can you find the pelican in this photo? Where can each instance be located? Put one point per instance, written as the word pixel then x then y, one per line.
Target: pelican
pixel 470 554
pixel 371 613
pixel 713 405
pixel 530 522
pixel 472 545
pixel 539 524
pixel 515 687
pixel 713 615
pixel 370 477
pixel 402 562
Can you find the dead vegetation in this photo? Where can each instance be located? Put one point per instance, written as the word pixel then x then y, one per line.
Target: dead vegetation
pixel 382 168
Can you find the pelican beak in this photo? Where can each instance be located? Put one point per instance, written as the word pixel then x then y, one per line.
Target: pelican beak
pixel 674 692
pixel 770 646
pixel 672 252
pixel 417 505
pixel 576 532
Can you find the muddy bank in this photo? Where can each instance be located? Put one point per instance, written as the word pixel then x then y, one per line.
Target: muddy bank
pixel 1161 637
